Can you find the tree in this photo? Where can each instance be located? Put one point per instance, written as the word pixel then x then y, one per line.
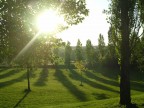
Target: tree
pixel 101 47
pixel 79 53
pixel 141 9
pixel 17 17
pixel 125 22
pixel 13 19
pixel 18 25
pixel 79 59
pixel 135 24
pixel 46 50
pixel 90 54
pixel 112 49
pixel 68 50
pixel 80 66
pixel 139 47
pixel 138 54
pixel 125 95
pixel 127 7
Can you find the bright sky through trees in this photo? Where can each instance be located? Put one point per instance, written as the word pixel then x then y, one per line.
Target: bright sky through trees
pixel 48 21
pixel 92 26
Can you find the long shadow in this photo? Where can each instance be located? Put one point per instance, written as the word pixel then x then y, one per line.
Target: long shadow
pixel 93 76
pixel 25 95
pixel 10 73
pixel 2 70
pixel 10 82
pixel 42 78
pixel 134 85
pixel 136 76
pixel 137 82
pixel 68 84
pixel 100 96
pixel 74 75
pixel 111 73
pixel 137 86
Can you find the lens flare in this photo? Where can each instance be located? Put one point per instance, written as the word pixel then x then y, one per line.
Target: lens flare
pixel 48 21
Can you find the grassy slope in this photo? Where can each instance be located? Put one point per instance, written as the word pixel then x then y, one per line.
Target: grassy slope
pixel 107 103
pixel 60 88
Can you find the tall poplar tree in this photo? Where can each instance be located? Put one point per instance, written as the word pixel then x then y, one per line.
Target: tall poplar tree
pixel 101 48
pixel 79 51
pixel 68 51
pixel 125 22
pixel 89 53
pixel 125 95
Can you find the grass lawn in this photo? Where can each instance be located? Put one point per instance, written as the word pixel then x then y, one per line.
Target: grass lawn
pixel 61 88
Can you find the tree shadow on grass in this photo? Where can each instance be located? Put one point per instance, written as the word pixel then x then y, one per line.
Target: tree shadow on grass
pixel 109 82
pixel 137 86
pixel 137 82
pixel 136 79
pixel 100 96
pixel 10 73
pixel 10 82
pixel 142 104
pixel 74 75
pixel 25 95
pixel 3 70
pixel 42 78
pixel 71 87
pixel 135 75
pixel 111 73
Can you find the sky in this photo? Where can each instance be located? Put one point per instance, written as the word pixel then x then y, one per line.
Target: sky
pixel 91 27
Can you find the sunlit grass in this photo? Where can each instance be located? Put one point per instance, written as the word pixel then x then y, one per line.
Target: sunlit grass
pixel 59 87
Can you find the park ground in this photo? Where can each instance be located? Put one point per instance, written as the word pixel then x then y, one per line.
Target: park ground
pixel 60 88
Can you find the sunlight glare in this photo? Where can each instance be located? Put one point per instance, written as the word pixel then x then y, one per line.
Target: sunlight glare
pixel 24 50
pixel 48 21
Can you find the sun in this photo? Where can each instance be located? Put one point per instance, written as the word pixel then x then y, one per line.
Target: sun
pixel 48 21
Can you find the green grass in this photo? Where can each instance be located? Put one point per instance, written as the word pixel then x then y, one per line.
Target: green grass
pixel 61 88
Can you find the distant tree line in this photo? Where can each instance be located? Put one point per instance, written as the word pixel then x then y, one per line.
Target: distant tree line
pixel 104 55
pixel 90 55
pixel 50 50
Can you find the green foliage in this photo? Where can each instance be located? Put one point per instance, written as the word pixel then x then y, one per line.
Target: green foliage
pixel 68 51
pixel 114 18
pixel 80 66
pixel 90 54
pixel 141 8
pixel 18 22
pixel 113 48
pixel 125 26
pixel 101 48
pixel 138 55
pixel 14 28
pixel 47 50
pixel 74 11
pixel 79 51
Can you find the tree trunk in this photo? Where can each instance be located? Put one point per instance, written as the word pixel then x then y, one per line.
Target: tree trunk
pixel 81 79
pixel 125 95
pixel 28 78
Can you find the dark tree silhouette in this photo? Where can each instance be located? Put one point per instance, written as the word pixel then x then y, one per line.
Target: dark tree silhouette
pixel 125 95
pixel 68 51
